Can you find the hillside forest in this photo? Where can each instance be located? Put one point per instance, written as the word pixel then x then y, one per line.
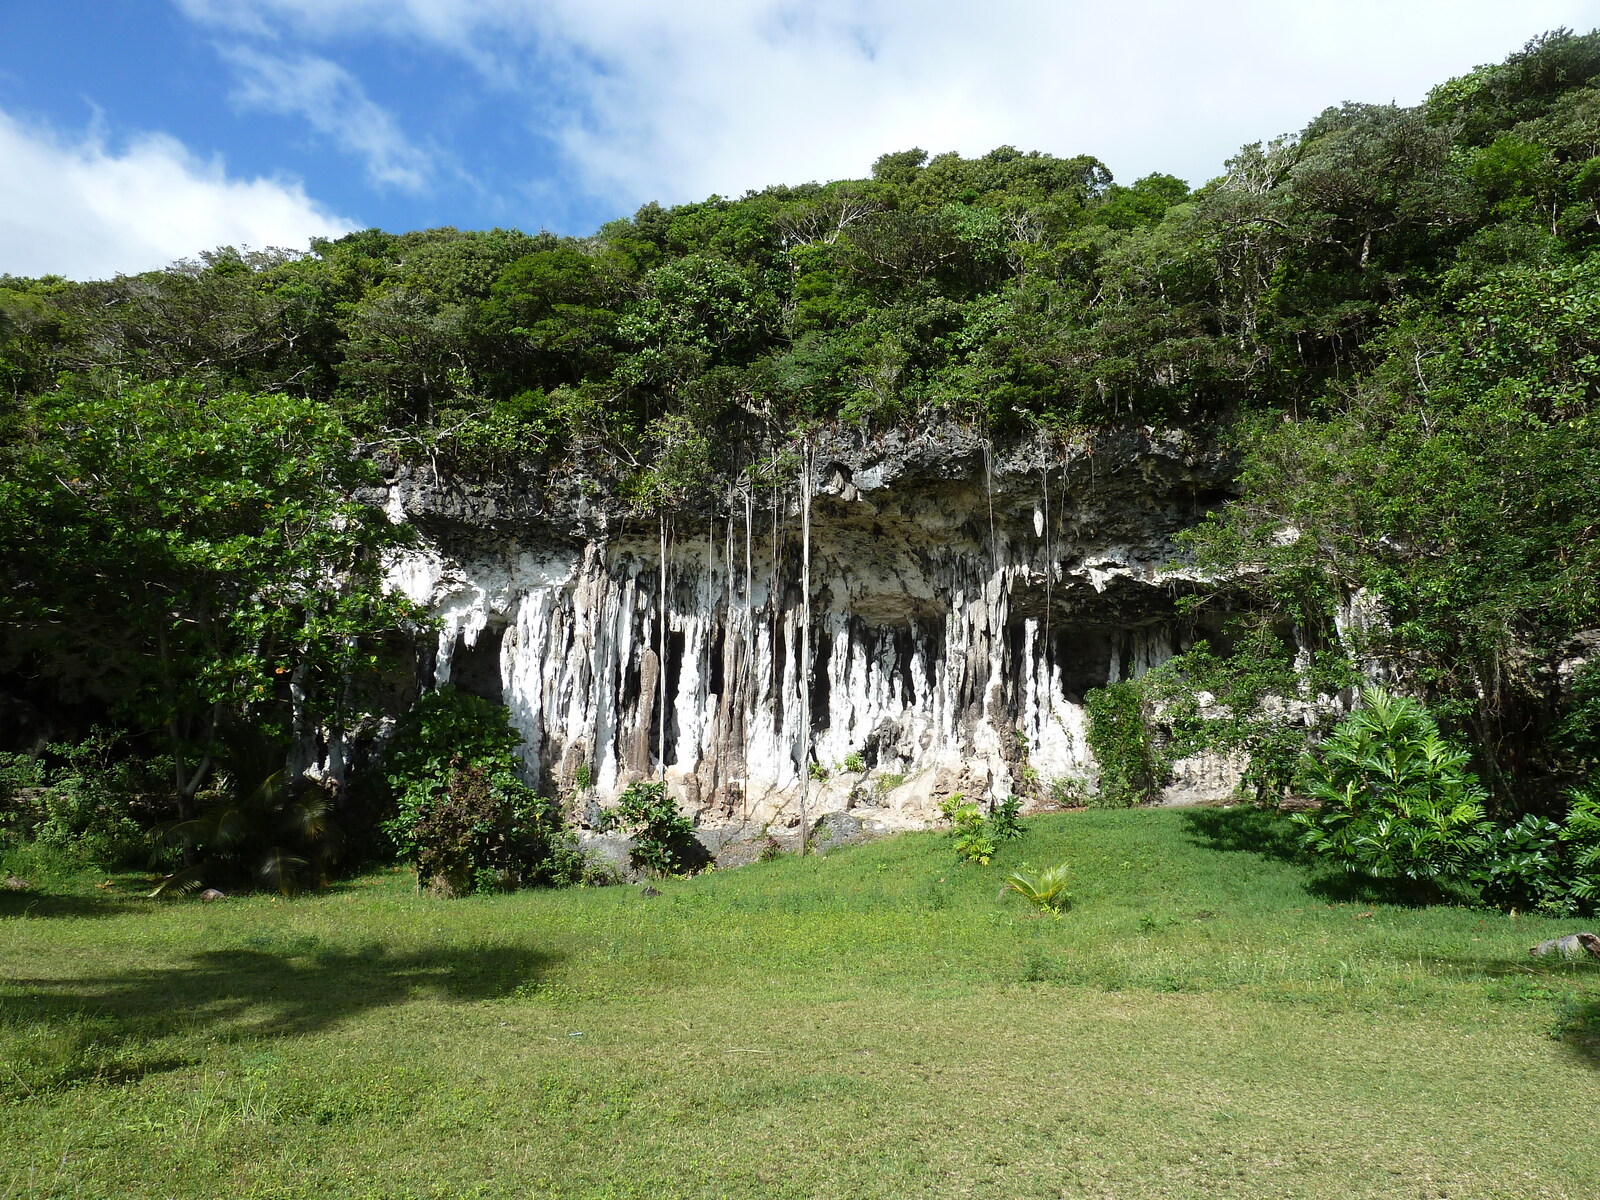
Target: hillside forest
pixel 1390 317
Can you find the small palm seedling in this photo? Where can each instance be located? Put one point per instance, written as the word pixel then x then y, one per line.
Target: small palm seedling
pixel 1046 890
pixel 262 829
pixel 278 836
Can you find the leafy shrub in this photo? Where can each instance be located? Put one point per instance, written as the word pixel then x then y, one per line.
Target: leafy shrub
pixel 90 800
pixel 1132 767
pixel 1398 802
pixel 1539 865
pixel 854 763
pixel 1580 836
pixel 1046 890
pixel 975 841
pixel 977 837
pixel 1067 791
pixel 461 812
pixel 1005 819
pixel 445 730
pixel 19 773
pixel 484 832
pixel 1520 866
pixel 663 838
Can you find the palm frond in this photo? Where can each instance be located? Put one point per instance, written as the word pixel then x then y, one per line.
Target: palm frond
pixel 1046 890
pixel 181 881
pixel 282 871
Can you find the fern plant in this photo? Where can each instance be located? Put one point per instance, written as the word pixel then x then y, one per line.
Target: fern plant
pixel 1046 890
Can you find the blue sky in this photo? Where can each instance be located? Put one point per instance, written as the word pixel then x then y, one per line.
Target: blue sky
pixel 136 132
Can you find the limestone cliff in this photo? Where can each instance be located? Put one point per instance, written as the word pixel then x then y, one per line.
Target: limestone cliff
pixel 963 599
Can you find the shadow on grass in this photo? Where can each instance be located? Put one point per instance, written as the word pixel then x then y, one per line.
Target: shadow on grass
pixel 1537 970
pixel 1577 1028
pixel 66 904
pixel 118 1027
pixel 1569 983
pixel 1243 828
pixel 1247 829
pixel 1345 887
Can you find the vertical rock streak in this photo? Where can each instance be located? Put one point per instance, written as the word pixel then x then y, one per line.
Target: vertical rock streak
pixel 954 628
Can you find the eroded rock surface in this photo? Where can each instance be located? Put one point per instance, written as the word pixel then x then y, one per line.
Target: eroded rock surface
pixel 963 600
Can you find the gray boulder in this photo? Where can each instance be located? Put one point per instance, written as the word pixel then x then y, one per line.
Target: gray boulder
pixel 1573 945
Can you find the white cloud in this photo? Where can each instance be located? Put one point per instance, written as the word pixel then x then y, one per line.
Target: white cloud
pixel 673 101
pixel 79 209
pixel 333 103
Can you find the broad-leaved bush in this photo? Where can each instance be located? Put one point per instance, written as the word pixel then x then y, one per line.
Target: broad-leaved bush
pixel 1397 799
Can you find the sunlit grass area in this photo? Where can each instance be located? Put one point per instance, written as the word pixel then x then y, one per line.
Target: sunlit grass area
pixel 1208 1019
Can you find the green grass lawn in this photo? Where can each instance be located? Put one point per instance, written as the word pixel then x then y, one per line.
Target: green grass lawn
pixel 1209 1020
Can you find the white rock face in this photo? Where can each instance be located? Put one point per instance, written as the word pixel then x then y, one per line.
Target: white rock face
pixel 955 625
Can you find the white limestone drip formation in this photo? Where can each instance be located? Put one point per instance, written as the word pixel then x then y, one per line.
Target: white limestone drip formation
pixel 956 621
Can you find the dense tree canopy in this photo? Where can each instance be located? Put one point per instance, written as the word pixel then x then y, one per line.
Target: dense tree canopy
pixel 1011 288
pixel 196 563
pixel 1393 311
